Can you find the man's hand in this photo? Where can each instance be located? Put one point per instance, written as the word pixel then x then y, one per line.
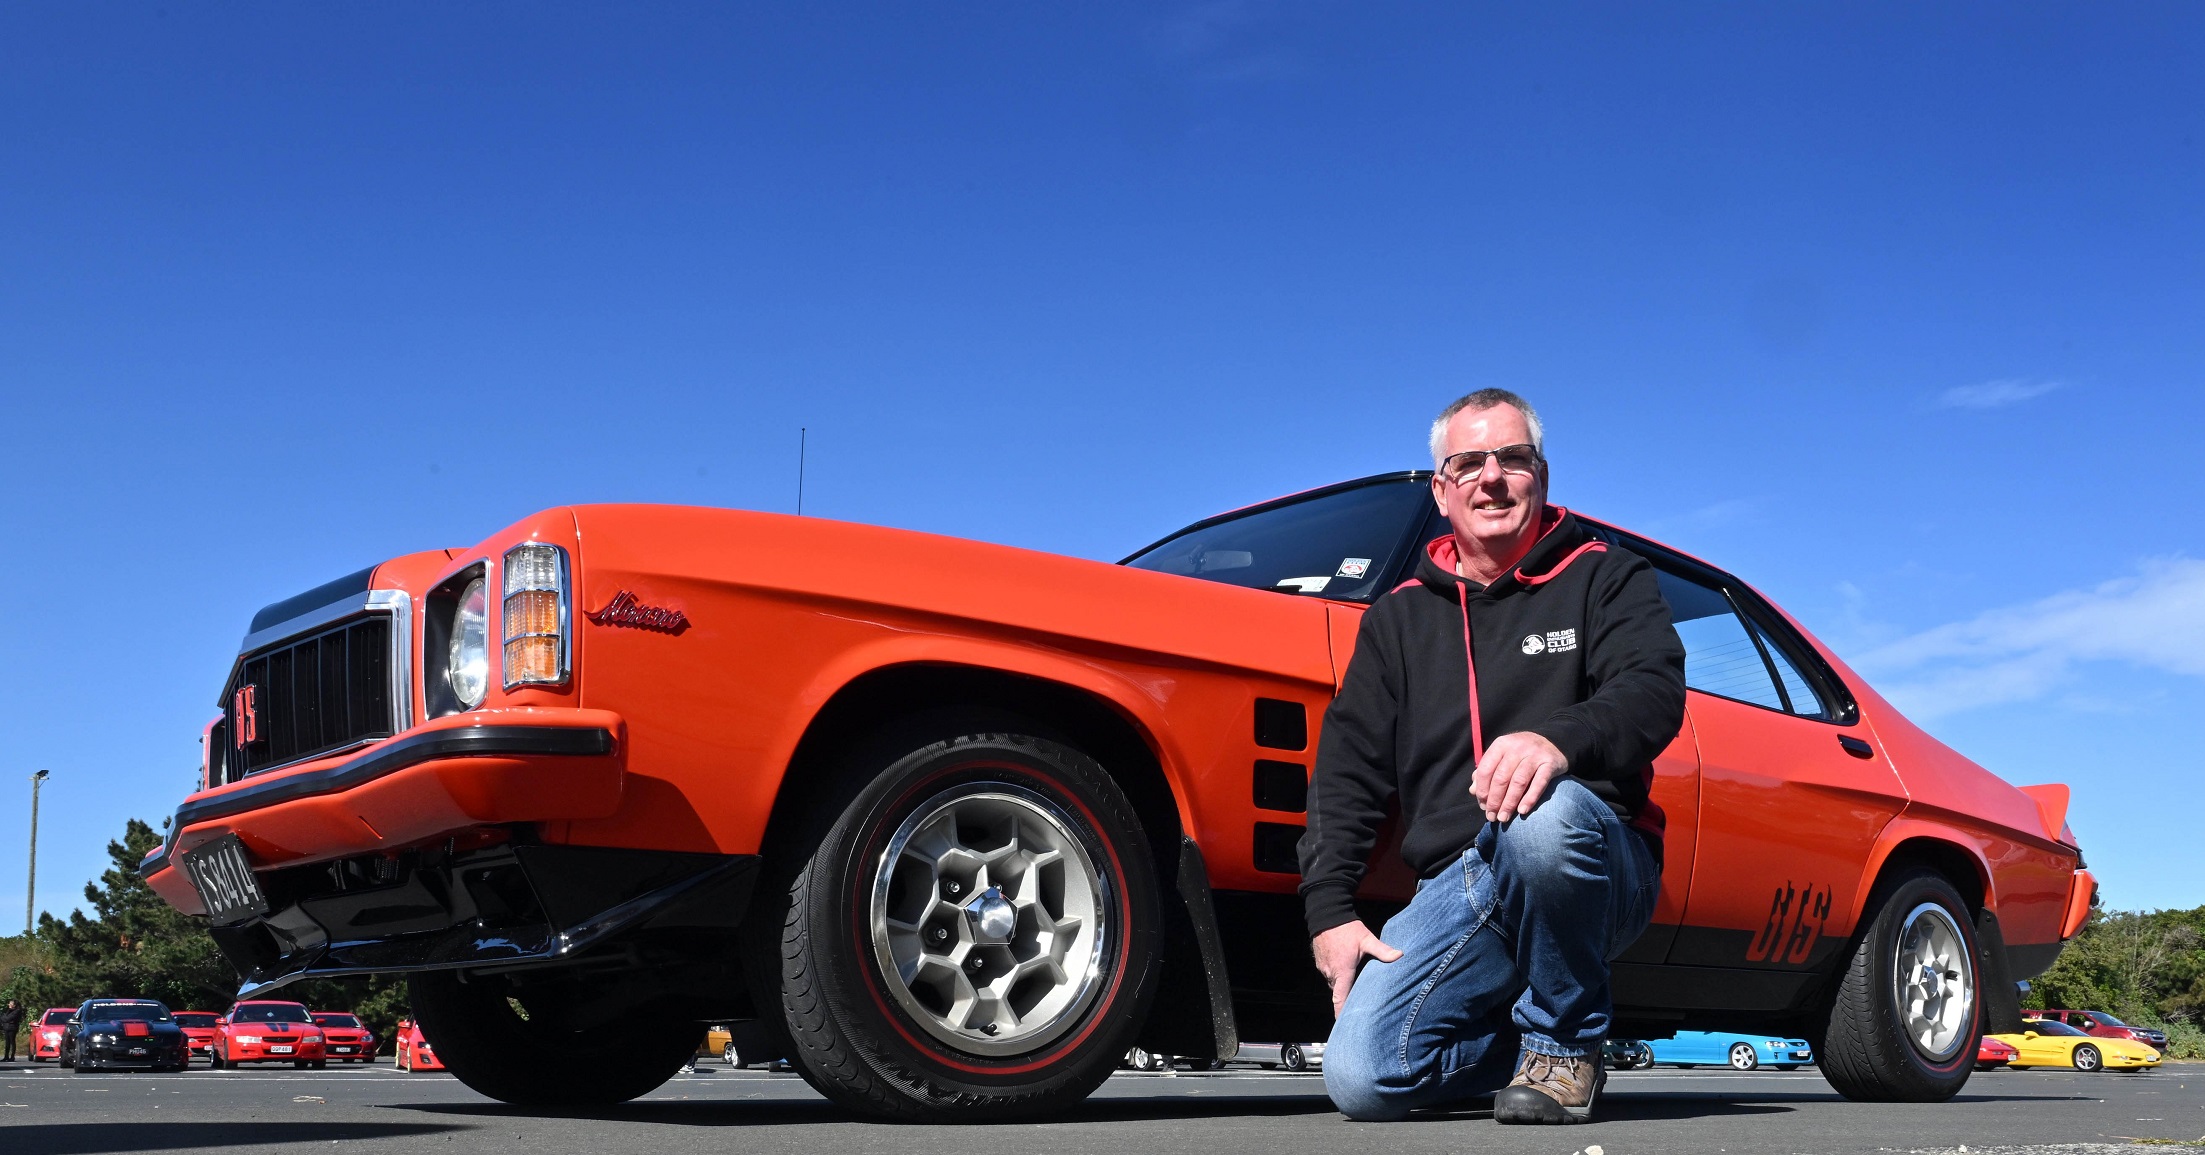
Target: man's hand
pixel 1514 774
pixel 1340 954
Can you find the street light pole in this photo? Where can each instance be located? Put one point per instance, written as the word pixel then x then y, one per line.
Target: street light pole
pixel 30 900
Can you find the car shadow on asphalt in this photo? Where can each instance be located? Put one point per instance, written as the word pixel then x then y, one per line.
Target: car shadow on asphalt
pixel 101 1138
pixel 723 1113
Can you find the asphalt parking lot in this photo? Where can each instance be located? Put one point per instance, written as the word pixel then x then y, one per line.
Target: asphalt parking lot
pixel 45 1111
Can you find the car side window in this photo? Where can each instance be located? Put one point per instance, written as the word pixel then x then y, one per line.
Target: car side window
pixel 1797 691
pixel 1720 656
pixel 1341 544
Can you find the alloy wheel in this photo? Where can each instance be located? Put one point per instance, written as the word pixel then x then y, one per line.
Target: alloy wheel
pixel 1935 981
pixel 990 920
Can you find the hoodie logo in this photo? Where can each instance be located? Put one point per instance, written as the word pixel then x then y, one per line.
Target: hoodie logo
pixel 1553 641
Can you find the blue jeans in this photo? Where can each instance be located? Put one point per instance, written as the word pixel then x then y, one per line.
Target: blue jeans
pixel 1506 950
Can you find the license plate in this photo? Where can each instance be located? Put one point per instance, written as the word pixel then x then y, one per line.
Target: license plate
pixel 225 881
pixel 342 1050
pixel 137 1050
pixel 279 1050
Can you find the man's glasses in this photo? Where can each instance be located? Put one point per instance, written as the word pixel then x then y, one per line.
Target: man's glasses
pixel 1470 463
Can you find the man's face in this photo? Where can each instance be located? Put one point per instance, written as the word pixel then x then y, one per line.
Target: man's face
pixel 1494 507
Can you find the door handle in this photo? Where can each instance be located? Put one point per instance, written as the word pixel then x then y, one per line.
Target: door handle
pixel 1856 747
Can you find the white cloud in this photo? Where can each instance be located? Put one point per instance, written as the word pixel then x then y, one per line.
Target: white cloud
pixel 1994 394
pixel 2155 620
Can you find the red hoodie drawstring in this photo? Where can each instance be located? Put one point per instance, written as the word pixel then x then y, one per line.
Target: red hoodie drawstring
pixel 1470 657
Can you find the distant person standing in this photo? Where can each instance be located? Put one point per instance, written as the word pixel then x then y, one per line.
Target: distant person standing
pixel 11 1021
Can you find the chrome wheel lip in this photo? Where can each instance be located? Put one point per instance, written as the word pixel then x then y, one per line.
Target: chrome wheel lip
pixel 1933 982
pixel 1082 964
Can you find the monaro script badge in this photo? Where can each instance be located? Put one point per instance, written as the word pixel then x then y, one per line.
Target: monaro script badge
pixel 625 610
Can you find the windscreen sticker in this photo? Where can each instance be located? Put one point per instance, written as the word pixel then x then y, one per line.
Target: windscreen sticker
pixel 1308 585
pixel 1353 567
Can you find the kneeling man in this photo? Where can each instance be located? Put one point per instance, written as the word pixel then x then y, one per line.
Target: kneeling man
pixel 1512 699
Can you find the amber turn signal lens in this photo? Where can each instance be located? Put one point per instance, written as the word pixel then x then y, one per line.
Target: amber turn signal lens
pixel 535 615
pixel 532 612
pixel 532 659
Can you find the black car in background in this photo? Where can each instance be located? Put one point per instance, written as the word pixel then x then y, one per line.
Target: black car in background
pixel 124 1034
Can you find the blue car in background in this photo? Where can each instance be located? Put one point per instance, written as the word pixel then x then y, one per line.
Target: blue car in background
pixel 1728 1049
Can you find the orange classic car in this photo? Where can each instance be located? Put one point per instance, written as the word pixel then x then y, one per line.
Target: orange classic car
pixel 954 825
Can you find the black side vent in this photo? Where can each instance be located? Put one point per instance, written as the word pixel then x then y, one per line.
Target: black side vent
pixel 1281 725
pixel 307 697
pixel 1278 848
pixel 1282 786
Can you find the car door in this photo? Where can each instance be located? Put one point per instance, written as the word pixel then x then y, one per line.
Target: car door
pixel 1793 791
pixel 2043 1050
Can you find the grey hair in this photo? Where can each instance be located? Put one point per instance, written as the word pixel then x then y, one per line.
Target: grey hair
pixel 1482 400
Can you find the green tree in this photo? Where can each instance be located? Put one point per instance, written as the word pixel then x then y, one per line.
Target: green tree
pixel 133 944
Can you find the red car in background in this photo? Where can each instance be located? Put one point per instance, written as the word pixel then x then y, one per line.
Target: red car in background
pixel 46 1035
pixel 200 1029
pixel 267 1031
pixel 344 1037
pixel 413 1051
pixel 2104 1026
pixel 1990 1052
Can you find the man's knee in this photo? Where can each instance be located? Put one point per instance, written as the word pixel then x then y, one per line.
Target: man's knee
pixel 1361 1071
pixel 1562 838
pixel 1359 1090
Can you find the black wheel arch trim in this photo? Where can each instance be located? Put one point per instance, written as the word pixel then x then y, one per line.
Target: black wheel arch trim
pixel 381 761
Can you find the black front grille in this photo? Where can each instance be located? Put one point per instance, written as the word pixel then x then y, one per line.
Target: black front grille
pixel 306 697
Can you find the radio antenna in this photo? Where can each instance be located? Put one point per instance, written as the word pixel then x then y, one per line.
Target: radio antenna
pixel 802 435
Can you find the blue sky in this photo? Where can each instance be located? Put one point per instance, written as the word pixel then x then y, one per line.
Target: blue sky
pixel 1892 309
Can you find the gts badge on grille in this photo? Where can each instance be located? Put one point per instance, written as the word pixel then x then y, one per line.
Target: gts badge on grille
pixel 245 716
pixel 625 610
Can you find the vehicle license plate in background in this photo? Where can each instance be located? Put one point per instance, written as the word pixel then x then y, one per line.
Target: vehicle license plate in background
pixel 225 881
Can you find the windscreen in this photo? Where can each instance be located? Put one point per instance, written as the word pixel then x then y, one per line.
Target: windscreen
pixel 55 1018
pixel 270 1013
pixel 337 1020
pixel 2048 1027
pixel 1335 545
pixel 194 1019
pixel 151 1012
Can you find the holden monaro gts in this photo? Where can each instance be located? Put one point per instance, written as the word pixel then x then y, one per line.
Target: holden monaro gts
pixel 953 825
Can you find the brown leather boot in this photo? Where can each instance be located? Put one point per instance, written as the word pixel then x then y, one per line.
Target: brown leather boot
pixel 1551 1089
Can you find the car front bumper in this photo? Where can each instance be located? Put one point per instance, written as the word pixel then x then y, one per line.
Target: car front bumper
pixel 485 768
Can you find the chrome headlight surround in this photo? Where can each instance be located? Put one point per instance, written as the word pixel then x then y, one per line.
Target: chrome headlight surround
pixel 537 616
pixel 467 651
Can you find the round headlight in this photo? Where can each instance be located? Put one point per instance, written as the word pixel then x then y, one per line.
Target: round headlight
pixel 468 666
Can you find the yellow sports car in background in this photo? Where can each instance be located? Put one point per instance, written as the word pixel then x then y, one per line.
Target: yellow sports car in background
pixel 2044 1043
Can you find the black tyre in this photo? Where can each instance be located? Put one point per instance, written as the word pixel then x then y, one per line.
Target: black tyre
pixel 1743 1058
pixel 1905 1021
pixel 485 1041
pixel 2088 1060
pixel 973 935
pixel 214 1059
pixel 1292 1058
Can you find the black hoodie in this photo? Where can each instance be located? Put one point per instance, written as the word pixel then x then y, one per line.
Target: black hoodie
pixel 1573 643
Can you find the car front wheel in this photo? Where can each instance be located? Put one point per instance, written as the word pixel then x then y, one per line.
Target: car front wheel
pixel 1292 1058
pixel 2087 1058
pixel 974 935
pixel 1742 1057
pixel 1905 1022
